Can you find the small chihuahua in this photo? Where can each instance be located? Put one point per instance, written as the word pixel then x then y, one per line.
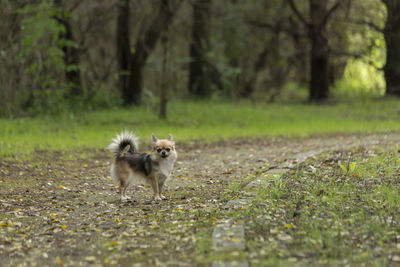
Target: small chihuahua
pixel 130 165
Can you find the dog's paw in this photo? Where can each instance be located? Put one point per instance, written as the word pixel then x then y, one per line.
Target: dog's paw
pixel 157 199
pixel 163 197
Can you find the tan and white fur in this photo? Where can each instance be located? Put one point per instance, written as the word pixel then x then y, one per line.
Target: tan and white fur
pixel 130 166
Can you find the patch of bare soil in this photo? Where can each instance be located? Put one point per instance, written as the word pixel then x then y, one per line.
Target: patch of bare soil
pixel 64 209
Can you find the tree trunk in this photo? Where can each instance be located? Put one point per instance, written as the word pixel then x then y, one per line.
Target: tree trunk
pixel 392 38
pixel 319 80
pixel 199 80
pixel 164 77
pixel 123 49
pixel 71 53
pixel 319 83
pixel 144 46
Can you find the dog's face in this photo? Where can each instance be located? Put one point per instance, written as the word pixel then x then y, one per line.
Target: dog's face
pixel 163 148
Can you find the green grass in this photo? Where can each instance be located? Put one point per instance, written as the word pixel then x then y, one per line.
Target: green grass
pixel 341 217
pixel 196 120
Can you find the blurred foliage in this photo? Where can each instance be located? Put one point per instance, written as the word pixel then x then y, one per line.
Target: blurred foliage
pixel 258 43
pixel 363 75
pixel 42 57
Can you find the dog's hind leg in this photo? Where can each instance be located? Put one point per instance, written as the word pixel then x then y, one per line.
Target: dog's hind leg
pixel 122 190
pixel 124 175
pixel 123 195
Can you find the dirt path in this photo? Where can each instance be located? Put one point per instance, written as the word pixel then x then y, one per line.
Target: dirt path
pixel 62 208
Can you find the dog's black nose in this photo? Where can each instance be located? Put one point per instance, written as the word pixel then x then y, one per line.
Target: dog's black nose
pixel 163 153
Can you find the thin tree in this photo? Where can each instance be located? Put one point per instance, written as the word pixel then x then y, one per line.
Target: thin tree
pixel 164 77
pixel 319 52
pixel 199 81
pixel 249 87
pixel 145 44
pixel 71 50
pixel 123 49
pixel 270 49
pixel 392 37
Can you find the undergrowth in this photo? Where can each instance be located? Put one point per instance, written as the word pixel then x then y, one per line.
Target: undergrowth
pixel 326 214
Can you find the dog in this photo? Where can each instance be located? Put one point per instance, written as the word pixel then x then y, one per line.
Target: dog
pixel 131 166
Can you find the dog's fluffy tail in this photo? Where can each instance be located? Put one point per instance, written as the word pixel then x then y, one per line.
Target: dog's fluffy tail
pixel 125 142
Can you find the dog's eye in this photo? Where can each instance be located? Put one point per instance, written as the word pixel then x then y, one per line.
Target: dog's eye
pixel 168 149
pixel 159 150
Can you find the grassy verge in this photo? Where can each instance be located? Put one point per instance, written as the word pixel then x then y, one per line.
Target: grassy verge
pixel 341 208
pixel 195 120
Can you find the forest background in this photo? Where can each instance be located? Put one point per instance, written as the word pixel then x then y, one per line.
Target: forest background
pixel 63 56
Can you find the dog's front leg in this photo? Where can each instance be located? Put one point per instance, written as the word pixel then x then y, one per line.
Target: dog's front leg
pixel 161 179
pixel 154 185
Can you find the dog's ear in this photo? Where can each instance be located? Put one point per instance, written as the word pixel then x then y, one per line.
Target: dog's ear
pixel 154 138
pixel 170 139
